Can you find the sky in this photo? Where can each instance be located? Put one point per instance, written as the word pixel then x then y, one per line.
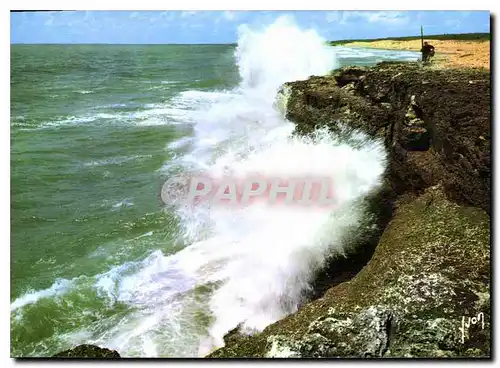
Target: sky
pixel 152 27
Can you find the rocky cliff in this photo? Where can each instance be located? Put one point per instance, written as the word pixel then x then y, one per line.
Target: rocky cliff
pixel 424 291
pixel 419 287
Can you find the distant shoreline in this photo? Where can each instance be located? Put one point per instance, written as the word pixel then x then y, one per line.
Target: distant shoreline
pixel 452 50
pixel 470 50
pixel 442 37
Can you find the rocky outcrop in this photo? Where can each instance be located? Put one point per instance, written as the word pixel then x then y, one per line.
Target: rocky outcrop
pixel 88 351
pixel 435 123
pixel 425 290
pixel 429 272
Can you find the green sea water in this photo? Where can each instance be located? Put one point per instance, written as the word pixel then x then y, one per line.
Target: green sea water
pixel 92 128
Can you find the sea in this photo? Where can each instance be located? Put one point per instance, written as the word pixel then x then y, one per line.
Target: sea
pixel 98 258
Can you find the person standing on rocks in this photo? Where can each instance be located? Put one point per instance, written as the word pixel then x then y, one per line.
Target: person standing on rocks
pixel 427 52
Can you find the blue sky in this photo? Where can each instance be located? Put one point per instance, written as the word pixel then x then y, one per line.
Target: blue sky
pixel 221 26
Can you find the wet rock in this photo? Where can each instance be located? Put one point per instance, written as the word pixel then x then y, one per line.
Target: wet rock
pixel 429 274
pixel 415 137
pixel 88 351
pixel 415 134
pixel 349 75
pixel 430 271
pixel 424 126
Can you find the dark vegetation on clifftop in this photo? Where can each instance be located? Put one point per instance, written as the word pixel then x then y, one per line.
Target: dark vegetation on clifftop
pixel 443 37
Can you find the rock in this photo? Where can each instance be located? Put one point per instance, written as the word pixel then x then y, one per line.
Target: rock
pixel 414 131
pixel 349 75
pixel 424 126
pixel 88 351
pixel 415 137
pixel 430 271
pixel 424 290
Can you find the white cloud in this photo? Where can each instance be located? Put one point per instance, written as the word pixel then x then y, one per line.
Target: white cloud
pixel 163 18
pixel 386 17
pixel 185 14
pixel 89 17
pixel 334 16
pixel 167 15
pixel 60 19
pixel 230 15
pixel 452 22
pixel 49 22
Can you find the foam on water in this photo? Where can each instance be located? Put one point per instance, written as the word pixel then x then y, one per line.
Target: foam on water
pixel 254 265
pixel 262 258
pixel 125 203
pixel 376 55
pixel 59 287
pixel 171 113
pixel 266 58
pixel 117 160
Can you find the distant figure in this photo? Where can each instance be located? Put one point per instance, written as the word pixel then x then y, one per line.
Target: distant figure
pixel 427 52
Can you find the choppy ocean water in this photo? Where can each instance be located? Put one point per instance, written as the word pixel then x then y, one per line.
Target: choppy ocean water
pixel 95 129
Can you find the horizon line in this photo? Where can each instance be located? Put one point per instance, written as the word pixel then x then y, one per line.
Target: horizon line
pixel 235 43
pixel 119 43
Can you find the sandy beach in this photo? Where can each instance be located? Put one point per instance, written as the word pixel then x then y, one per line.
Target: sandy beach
pixel 449 53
